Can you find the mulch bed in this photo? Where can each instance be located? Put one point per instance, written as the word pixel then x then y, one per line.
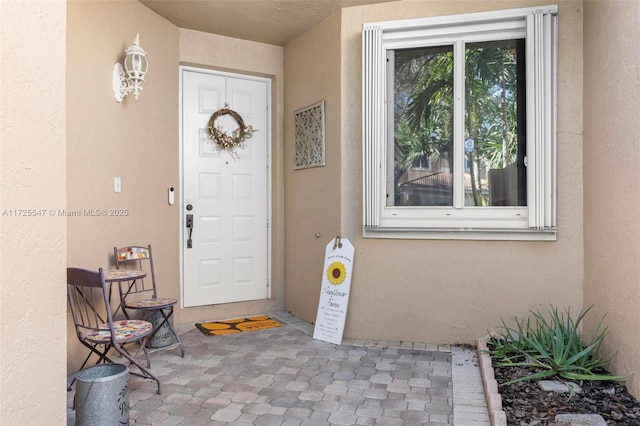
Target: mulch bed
pixel 525 404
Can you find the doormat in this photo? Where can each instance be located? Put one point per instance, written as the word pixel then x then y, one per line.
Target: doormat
pixel 237 325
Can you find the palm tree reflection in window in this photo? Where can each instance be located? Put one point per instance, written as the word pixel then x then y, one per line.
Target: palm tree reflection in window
pixel 423 125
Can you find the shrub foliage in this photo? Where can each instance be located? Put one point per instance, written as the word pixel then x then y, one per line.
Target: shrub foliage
pixel 552 344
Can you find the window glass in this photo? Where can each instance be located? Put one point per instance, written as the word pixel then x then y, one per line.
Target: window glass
pixel 423 127
pixel 494 145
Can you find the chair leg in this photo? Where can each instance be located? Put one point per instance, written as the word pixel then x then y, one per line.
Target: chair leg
pixel 146 354
pixel 165 320
pixel 81 367
pixel 94 350
pixel 178 340
pixel 145 373
pixel 141 347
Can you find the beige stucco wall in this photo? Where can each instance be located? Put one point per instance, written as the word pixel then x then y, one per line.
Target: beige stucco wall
pixel 32 176
pixel 216 52
pixel 439 290
pixel 611 177
pixel 445 291
pixel 138 141
pixel 134 140
pixel 312 67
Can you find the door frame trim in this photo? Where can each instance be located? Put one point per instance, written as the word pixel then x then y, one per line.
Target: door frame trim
pixel 181 223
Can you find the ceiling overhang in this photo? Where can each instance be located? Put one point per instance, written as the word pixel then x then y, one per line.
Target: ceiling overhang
pixel 274 22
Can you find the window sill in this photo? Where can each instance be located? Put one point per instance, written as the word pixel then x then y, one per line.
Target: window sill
pixel 462 234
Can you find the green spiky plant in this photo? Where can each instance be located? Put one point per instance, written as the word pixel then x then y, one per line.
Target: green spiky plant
pixel 551 343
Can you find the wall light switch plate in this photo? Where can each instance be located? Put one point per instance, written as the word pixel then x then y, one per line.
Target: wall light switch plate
pixel 117 185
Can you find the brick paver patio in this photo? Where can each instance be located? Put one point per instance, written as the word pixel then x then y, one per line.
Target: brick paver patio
pixel 283 377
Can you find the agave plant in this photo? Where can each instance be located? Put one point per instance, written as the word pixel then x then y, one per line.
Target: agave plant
pixel 551 343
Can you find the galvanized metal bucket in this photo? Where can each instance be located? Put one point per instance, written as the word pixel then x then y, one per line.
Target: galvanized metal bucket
pixel 102 396
pixel 164 336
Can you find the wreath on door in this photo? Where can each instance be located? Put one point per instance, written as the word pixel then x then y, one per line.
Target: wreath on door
pixel 237 138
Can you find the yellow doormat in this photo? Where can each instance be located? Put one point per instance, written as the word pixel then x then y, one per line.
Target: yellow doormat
pixel 237 325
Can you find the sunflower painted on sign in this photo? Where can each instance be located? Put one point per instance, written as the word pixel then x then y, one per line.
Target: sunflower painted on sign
pixel 336 273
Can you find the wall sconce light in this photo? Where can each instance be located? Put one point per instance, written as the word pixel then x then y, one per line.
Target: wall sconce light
pixel 130 78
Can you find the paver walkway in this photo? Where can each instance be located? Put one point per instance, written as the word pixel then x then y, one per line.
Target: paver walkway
pixel 283 377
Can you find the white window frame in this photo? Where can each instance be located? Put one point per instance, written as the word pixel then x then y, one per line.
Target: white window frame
pixel 536 221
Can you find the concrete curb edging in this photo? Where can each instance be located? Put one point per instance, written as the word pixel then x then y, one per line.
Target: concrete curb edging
pixel 494 401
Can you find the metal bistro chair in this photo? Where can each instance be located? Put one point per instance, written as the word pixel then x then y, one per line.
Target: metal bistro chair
pixel 89 296
pixel 141 295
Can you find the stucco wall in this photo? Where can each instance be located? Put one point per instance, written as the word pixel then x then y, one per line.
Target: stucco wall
pixel 134 140
pixel 451 291
pixel 138 141
pixel 32 248
pixel 611 177
pixel 312 196
pixel 216 52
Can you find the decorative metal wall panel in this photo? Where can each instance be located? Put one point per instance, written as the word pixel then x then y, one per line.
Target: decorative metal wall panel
pixel 309 136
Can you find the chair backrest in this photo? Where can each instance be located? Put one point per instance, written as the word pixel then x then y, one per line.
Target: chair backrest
pixel 140 258
pixel 88 296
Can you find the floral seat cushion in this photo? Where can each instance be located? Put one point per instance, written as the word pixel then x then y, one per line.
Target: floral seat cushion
pixel 151 303
pixel 125 330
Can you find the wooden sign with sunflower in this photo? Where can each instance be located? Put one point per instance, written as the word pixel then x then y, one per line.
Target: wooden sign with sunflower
pixel 334 295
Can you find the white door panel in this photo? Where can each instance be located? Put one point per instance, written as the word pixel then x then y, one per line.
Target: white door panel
pixel 228 260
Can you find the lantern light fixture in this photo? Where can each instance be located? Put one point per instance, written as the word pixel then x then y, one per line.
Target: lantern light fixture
pixel 129 79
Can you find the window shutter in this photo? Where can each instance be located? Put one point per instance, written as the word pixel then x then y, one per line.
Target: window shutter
pixel 536 221
pixel 541 53
pixel 373 121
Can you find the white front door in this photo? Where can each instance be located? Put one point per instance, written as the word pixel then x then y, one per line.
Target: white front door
pixel 227 257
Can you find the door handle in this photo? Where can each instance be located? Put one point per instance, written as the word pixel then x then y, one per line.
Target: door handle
pixel 189 223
